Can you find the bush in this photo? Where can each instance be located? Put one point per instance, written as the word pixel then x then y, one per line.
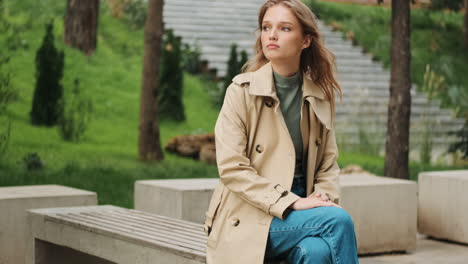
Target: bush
pixel 461 145
pixel 135 13
pixel 4 139
pixel 7 94
pixel 48 91
pixel 233 68
pixel 32 161
pixel 171 83
pixel 191 58
pixel 77 110
pixel 447 4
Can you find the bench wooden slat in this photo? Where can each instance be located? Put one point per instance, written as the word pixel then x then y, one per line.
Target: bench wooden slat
pixel 77 219
pixel 156 229
pixel 132 231
pixel 193 229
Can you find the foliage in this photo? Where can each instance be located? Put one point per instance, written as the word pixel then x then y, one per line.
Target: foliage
pixel 132 11
pixel 32 161
pixel 5 138
pixel 77 110
pixel 461 145
pixel 191 58
pixel 7 94
pixel 425 152
pixel 233 68
pixel 171 79
pixel 243 59
pixel 436 39
pixel 48 91
pixel 135 13
pixel 447 4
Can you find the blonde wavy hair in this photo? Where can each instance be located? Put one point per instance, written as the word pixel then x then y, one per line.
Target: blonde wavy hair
pixel 316 60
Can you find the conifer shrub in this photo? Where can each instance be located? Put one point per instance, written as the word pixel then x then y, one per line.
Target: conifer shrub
pixel 48 90
pixel 77 111
pixel 171 84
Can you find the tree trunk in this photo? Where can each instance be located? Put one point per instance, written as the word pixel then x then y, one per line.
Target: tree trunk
pixel 466 24
pixel 81 22
pixel 149 145
pixel 399 108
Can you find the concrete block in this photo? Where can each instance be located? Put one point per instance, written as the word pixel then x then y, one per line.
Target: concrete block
pixel 14 201
pixel 443 205
pixel 185 199
pixel 384 211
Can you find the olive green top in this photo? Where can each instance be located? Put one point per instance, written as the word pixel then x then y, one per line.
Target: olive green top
pixel 289 92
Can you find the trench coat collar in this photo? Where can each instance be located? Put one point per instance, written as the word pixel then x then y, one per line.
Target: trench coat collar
pixel 261 83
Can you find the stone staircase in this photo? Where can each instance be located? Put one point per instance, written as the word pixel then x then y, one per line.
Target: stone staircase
pixel 215 25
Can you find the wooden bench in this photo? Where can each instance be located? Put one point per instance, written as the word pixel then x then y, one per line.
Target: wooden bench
pixel 110 234
pixel 15 200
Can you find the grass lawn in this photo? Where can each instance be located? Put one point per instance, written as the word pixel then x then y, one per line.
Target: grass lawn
pixel 105 160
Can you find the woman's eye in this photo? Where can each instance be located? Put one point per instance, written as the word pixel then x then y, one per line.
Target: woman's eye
pixel 264 28
pixel 286 29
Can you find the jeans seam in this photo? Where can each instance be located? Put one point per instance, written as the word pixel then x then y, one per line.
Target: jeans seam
pixel 294 229
pixel 330 233
pixel 303 252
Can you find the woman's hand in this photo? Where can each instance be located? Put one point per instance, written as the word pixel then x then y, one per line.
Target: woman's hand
pixel 312 201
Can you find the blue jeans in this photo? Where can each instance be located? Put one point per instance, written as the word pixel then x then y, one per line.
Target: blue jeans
pixel 319 235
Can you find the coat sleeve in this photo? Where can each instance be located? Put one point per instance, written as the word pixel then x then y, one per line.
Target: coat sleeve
pixel 327 175
pixel 235 169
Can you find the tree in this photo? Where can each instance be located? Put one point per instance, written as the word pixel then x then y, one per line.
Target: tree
pixel 81 21
pixel 48 91
pixel 232 70
pixel 149 145
pixel 399 107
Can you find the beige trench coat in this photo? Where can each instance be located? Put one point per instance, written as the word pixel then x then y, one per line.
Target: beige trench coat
pixel 256 160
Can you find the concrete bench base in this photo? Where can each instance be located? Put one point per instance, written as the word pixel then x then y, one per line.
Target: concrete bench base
pixel 109 234
pixel 14 201
pixel 443 205
pixel 383 209
pixel 185 199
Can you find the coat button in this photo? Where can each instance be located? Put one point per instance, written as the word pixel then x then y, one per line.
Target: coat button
pixel 259 149
pixel 318 141
pixel 269 103
pixel 235 222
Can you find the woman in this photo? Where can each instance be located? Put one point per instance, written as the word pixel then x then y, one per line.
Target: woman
pixel 276 152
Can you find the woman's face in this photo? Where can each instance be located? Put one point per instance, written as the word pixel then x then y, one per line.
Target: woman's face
pixel 282 38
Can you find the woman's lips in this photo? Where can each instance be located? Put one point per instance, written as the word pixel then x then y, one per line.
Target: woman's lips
pixel 272 46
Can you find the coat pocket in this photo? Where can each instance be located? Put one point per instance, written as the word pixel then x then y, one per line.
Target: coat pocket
pixel 211 213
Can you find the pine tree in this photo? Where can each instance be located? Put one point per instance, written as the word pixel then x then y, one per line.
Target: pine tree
pixel 48 91
pixel 171 79
pixel 232 70
pixel 243 59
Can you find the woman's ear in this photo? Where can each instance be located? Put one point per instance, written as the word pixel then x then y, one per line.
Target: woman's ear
pixel 307 41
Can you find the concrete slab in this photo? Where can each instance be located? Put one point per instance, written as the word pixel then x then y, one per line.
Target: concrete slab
pixel 427 251
pixel 443 205
pixel 14 201
pixel 384 211
pixel 185 199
